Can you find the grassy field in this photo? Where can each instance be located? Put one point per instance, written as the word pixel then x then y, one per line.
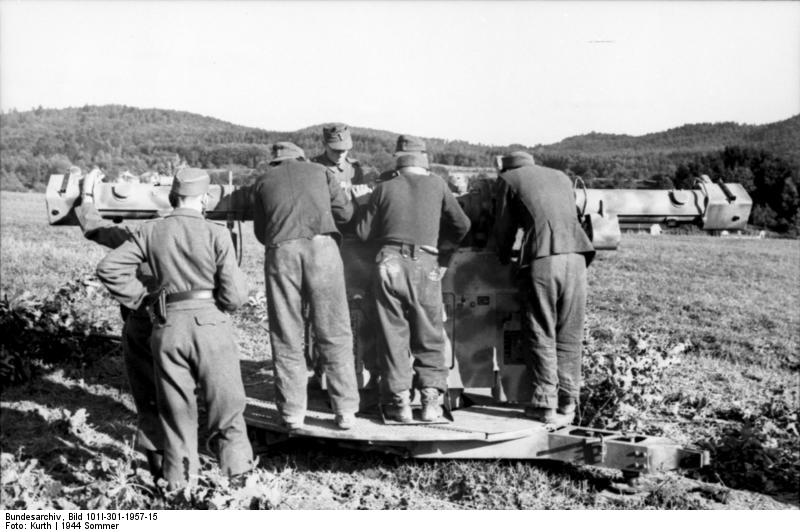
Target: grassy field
pixel 727 308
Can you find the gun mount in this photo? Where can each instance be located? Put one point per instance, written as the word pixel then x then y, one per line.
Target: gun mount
pixel 488 381
pixel 710 206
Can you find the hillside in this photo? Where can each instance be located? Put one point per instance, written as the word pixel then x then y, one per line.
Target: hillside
pixel 765 158
pixel 781 138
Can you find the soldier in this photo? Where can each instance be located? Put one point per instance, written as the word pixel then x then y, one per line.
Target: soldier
pixel 348 172
pixel 296 207
pixel 418 223
pixel 475 197
pixel 135 330
pixel 195 267
pixel 338 143
pixel 404 144
pixel 551 271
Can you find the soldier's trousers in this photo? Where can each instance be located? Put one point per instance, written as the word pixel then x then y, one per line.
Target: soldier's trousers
pixel 408 295
pixel 140 369
pixel 554 292
pixel 309 269
pixel 196 348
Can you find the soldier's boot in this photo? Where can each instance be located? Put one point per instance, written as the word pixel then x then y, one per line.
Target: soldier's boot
pixel 345 421
pixel 567 406
pixel 399 408
pixel 155 462
pixel 431 411
pixel 542 415
pixel 293 423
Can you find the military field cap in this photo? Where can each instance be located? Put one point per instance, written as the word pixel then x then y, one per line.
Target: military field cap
pixel 516 159
pixel 407 143
pixel 337 137
pixel 286 150
pixel 411 159
pixel 190 182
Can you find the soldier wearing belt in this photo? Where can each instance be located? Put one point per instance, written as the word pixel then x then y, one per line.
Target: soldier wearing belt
pixel 296 207
pixel 338 143
pixel 194 263
pixel 135 331
pixel 551 270
pixel 418 223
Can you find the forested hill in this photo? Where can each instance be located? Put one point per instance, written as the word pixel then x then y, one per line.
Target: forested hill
pixel 781 138
pixel 765 158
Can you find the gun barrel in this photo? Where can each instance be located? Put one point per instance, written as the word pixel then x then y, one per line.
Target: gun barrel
pixel 712 206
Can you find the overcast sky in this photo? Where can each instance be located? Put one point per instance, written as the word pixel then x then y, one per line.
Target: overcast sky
pixel 490 72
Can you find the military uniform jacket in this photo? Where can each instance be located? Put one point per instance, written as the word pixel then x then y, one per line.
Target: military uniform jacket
pixel 111 235
pixel 185 252
pixel 541 201
pixel 297 199
pixel 349 173
pixel 414 209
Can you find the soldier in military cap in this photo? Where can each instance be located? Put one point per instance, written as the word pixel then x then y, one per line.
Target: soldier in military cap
pixel 406 144
pixel 551 271
pixel 417 222
pixel 338 143
pixel 297 205
pixel 194 264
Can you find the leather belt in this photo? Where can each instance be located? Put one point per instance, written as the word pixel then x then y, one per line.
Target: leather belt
pixel 413 247
pixel 190 295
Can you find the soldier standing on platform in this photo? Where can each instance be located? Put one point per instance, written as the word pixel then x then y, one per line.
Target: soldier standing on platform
pixel 296 207
pixel 194 264
pixel 338 143
pixel 551 271
pixel 417 222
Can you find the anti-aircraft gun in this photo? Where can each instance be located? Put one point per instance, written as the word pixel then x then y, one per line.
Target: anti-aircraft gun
pixel 488 383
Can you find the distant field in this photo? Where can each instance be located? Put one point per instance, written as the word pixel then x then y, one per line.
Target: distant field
pixel 735 304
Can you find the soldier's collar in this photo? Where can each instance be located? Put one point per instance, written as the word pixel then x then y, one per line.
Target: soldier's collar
pixel 183 211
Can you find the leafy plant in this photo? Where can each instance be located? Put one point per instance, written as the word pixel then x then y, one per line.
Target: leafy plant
pixel 762 452
pixel 68 325
pixel 622 383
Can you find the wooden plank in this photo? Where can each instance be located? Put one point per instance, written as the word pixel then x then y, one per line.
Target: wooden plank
pixel 498 422
pixel 318 424
pixel 480 423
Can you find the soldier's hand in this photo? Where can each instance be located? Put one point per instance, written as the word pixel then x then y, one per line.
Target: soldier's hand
pixel 89 181
pixel 359 193
pixel 438 274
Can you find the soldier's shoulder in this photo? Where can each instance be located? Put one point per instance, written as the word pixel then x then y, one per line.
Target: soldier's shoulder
pixel 388 175
pixel 547 170
pixel 216 228
pixel 308 166
pixel 147 226
pixel 320 160
pixel 315 164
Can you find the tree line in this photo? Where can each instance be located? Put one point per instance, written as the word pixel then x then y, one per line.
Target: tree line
pixel 764 159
